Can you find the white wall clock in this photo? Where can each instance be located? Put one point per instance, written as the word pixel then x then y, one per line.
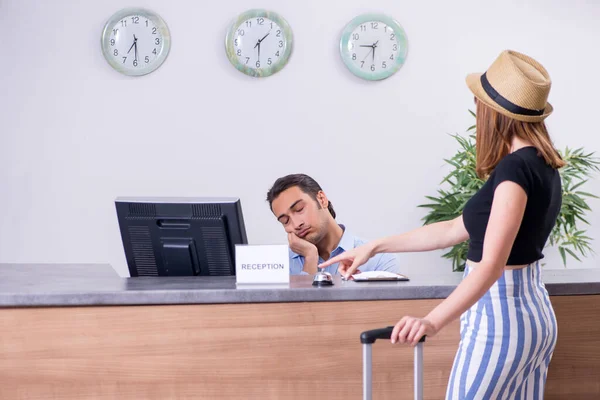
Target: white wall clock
pixel 259 43
pixel 135 41
pixel 373 46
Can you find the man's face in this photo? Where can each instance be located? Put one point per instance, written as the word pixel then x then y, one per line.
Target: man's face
pixel 301 214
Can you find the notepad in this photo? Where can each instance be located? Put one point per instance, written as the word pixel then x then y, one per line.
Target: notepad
pixel 379 276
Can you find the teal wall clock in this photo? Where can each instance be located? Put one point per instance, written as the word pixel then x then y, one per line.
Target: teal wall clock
pixel 135 41
pixel 373 46
pixel 259 43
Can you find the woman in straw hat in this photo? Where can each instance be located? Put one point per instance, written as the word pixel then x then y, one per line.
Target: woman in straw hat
pixel 508 327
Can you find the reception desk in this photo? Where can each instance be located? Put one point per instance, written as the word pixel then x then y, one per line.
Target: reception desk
pixel 82 332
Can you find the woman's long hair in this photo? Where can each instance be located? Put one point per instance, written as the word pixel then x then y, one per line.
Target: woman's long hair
pixel 494 136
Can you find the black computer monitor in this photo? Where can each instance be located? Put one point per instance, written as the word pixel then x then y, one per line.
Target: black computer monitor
pixel 180 236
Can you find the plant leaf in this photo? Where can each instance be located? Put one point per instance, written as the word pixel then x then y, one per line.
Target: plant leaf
pixel 461 182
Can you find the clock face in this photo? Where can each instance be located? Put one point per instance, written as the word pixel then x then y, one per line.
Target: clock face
pixel 373 47
pixel 259 43
pixel 135 41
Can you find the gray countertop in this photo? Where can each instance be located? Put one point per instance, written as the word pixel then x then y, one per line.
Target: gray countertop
pixel 25 285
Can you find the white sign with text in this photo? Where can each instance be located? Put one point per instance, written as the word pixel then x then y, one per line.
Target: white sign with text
pixel 262 264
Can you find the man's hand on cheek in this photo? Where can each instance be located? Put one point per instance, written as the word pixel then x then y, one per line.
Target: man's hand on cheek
pixel 305 249
pixel 301 246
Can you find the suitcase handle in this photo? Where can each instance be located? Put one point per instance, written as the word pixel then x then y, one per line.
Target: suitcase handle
pixel 369 337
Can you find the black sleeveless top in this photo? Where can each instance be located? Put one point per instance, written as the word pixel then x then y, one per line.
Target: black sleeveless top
pixel 542 185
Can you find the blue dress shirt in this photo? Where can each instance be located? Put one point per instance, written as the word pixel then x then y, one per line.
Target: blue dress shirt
pixel 379 262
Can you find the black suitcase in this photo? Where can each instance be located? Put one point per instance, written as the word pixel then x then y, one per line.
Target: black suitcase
pixel 367 338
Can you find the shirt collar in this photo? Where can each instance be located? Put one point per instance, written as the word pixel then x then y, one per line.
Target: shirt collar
pixel 347 240
pixel 346 243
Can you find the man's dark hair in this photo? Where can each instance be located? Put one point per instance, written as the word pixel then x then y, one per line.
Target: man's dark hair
pixel 307 184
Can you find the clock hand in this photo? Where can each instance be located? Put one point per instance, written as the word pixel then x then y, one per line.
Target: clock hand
pixel 264 37
pixel 366 45
pixel 258 45
pixel 259 42
pixel 131 47
pixel 374 47
pixel 368 53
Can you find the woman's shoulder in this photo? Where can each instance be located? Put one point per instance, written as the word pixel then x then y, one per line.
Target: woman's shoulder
pixel 511 161
pixel 525 158
pixel 517 167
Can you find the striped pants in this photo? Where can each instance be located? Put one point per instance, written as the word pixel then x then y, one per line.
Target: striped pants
pixel 506 340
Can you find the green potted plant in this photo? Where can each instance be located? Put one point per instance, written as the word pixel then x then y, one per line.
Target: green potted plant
pixel 462 182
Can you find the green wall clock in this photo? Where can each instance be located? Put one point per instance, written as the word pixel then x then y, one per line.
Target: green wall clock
pixel 135 41
pixel 259 43
pixel 373 46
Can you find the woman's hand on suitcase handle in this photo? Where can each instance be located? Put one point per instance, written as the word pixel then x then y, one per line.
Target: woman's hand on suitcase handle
pixel 410 330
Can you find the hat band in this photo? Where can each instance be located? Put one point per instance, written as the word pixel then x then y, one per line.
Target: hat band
pixel 505 103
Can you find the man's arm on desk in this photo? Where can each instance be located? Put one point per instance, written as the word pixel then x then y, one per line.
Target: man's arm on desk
pixel 300 265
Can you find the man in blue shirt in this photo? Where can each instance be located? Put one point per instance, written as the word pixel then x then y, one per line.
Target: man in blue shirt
pixel 314 236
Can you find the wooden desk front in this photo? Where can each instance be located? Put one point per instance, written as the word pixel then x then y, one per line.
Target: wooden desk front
pixel 253 351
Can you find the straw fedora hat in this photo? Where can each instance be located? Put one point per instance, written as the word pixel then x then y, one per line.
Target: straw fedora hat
pixel 515 85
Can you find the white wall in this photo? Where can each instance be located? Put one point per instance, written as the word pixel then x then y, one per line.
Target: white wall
pixel 74 134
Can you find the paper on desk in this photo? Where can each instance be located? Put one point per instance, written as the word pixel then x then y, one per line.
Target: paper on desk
pixel 377 275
